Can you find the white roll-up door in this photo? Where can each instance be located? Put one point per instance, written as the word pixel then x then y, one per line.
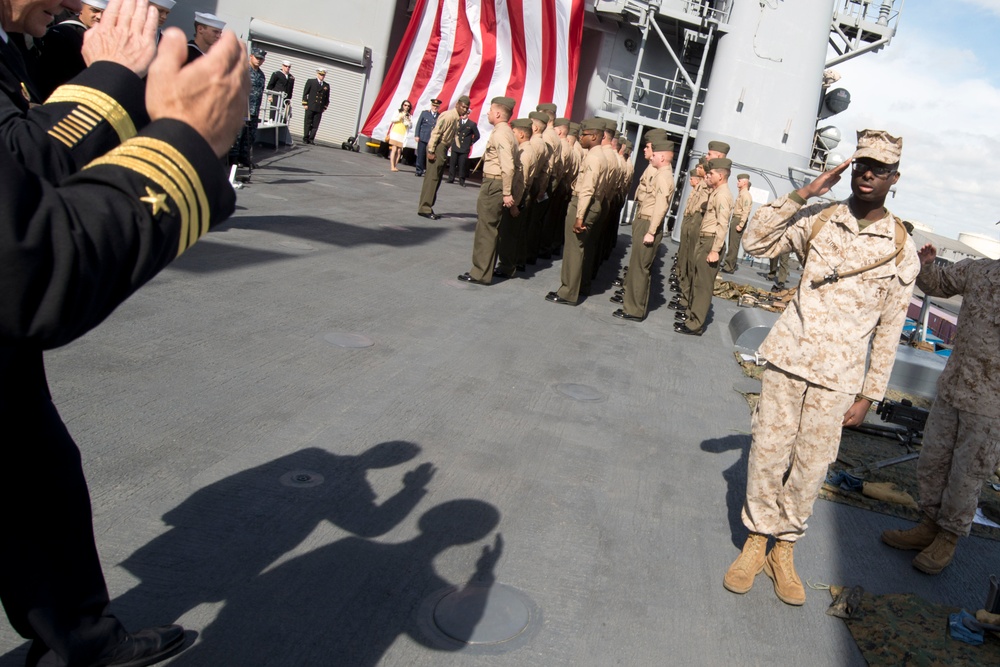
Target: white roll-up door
pixel 307 53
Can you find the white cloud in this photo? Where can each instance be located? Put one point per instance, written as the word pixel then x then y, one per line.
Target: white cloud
pixel 935 96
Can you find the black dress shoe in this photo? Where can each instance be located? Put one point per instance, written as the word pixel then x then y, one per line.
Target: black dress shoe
pixel 469 279
pixel 521 267
pixel 681 316
pixel 418 173
pixel 146 647
pixel 621 314
pixel 681 328
pixel 501 274
pixel 617 298
pixel 620 291
pixel 777 287
pixel 432 215
pixel 555 298
pixel 462 182
pixel 451 180
pixel 618 282
pixel 726 271
pixel 676 305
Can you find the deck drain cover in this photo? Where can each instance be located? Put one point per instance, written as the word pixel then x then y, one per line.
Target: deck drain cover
pixel 302 478
pixel 348 340
pixel 483 614
pixel 579 392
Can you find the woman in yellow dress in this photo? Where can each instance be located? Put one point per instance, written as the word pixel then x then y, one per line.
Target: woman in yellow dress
pixel 401 124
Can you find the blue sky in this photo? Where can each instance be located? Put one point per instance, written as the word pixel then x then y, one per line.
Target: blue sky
pixel 938 86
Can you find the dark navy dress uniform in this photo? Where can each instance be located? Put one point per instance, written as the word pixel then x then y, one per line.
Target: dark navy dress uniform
pixel 131 197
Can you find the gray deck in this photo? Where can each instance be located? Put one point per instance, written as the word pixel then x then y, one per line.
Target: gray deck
pixel 196 400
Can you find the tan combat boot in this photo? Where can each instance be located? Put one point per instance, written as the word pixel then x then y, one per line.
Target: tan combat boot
pixel 740 575
pixel 938 555
pixel 917 538
pixel 780 566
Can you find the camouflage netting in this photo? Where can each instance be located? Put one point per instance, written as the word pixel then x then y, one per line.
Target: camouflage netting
pixel 860 449
pixel 907 630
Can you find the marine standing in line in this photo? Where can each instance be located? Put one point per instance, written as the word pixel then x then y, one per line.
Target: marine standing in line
pixel 512 226
pixel 501 167
pixel 442 137
pixel 582 213
pixel 741 213
pixel 705 258
pixel 647 230
pixel 857 278
pixel 691 226
pixel 540 197
pixel 548 226
pixel 960 445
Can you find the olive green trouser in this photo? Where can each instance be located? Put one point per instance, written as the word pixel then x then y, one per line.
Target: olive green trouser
pixel 489 209
pixel 432 181
pixel 575 249
pixel 636 300
pixel 690 230
pixel 702 283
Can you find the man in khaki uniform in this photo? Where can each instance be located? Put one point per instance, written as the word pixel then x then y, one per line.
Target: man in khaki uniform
pixel 540 205
pixel 647 229
pixel 691 226
pixel 557 209
pixel 858 274
pixel 642 190
pixel 550 225
pixel 512 226
pixel 961 448
pixel 442 136
pixel 500 172
pixel 704 264
pixel 741 213
pixel 582 214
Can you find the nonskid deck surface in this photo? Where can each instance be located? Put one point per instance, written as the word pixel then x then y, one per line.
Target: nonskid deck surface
pixel 309 443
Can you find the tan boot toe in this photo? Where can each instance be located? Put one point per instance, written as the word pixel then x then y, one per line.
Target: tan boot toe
pixel 938 555
pixel 780 567
pixel 740 575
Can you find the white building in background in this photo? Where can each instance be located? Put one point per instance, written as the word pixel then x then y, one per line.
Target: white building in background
pixel 989 247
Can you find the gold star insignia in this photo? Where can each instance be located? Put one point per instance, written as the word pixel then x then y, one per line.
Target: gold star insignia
pixel 158 201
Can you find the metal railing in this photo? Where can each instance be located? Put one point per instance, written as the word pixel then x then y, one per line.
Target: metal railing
pixel 656 97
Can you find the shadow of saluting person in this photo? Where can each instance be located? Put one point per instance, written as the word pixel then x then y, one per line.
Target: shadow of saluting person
pixel 347 602
pixel 227 533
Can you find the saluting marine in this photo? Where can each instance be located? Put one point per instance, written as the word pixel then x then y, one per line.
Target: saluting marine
pixel 859 266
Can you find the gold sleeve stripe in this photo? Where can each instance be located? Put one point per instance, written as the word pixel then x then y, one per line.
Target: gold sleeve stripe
pixel 136 148
pixel 188 171
pixel 100 103
pixel 149 171
pixel 65 135
pixel 70 122
pixel 86 115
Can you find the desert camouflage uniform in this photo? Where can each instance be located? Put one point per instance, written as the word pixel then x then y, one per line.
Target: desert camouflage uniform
pixel 962 438
pixel 816 352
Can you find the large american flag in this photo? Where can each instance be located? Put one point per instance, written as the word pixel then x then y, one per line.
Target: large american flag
pixel 525 49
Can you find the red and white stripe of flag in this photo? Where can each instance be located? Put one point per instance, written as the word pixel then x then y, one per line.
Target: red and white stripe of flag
pixel 525 49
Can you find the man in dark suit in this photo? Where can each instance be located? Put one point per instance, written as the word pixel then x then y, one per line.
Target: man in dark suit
pixel 75 243
pixel 466 135
pixel 315 98
pixel 425 125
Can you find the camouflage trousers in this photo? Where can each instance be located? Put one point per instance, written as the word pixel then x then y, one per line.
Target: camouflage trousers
pixel 960 450
pixel 796 430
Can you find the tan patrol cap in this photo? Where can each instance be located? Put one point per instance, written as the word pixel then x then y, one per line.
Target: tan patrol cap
pixel 879 145
pixel 662 144
pixel 507 103
pixel 720 146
